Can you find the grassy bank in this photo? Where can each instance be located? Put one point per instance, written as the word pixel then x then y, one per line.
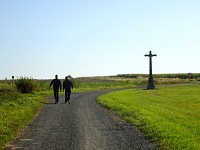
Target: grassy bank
pixel 169 115
pixel 16 111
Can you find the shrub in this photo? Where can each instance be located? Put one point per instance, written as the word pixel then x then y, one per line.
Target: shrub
pixel 26 85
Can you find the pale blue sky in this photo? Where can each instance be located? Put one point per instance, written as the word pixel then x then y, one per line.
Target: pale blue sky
pixel 41 38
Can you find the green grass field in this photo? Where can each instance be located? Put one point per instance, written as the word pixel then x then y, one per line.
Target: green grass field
pixel 169 115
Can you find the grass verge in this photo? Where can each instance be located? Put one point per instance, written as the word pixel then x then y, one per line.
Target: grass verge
pixel 16 111
pixel 169 115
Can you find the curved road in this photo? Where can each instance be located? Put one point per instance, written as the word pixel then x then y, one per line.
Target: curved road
pixel 81 125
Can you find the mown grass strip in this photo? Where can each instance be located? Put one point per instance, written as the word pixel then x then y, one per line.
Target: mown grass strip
pixel 169 115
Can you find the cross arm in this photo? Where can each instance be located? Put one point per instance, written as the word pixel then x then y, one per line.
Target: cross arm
pixel 150 55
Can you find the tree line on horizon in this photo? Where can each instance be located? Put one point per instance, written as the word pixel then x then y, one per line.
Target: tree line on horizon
pixel 170 75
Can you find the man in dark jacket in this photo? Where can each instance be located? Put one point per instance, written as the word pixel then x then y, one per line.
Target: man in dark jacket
pixel 67 86
pixel 56 85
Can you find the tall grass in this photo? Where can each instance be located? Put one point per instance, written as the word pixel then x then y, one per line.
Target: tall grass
pixel 169 115
pixel 99 83
pixel 111 82
pixel 16 111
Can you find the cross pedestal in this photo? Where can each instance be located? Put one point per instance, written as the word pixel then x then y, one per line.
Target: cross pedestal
pixel 150 81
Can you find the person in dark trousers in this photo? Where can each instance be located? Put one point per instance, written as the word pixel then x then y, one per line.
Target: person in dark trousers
pixel 56 85
pixel 67 86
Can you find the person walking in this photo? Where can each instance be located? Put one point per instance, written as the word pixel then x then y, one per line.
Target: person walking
pixel 67 86
pixel 56 85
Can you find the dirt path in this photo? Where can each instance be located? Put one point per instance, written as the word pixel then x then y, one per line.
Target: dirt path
pixel 81 125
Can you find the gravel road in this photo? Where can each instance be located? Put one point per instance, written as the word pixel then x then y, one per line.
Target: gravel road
pixel 81 125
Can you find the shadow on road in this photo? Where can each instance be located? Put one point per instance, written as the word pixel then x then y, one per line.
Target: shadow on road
pixel 48 103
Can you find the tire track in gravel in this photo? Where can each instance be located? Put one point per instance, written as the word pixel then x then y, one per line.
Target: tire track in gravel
pixel 81 125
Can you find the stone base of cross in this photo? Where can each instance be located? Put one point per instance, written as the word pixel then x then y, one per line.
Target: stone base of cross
pixel 150 83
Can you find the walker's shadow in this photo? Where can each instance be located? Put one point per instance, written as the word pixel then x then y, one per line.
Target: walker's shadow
pixel 47 103
pixel 52 103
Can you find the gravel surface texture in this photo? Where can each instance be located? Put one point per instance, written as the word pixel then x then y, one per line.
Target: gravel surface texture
pixel 81 125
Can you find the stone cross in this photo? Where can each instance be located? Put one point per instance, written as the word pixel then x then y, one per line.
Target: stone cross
pixel 150 81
